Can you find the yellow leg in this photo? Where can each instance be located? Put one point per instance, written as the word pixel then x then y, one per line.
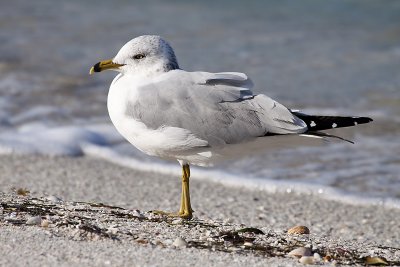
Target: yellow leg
pixel 185 211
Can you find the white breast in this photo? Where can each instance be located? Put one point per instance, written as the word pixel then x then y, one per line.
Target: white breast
pixel 165 142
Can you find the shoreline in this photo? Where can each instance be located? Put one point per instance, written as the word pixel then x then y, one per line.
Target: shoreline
pixel 269 186
pixel 93 180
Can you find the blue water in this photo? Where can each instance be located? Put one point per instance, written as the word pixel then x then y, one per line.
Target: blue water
pixel 328 57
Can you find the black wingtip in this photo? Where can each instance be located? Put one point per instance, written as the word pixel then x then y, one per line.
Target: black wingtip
pixel 319 123
pixel 361 120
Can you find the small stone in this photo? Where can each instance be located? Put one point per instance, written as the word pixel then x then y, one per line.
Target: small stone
pixel 112 230
pixel 300 252
pixel 179 242
pixel 307 260
pixel 234 249
pixel 317 257
pixel 159 243
pixel 36 220
pixel 54 199
pixel 177 221
pixel 12 215
pixel 168 242
pixel 262 216
pixel 298 230
pixel 45 223
pixel 248 244
pixel 137 213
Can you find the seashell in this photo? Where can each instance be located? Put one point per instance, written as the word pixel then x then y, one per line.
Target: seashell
pixel 307 260
pixel 298 230
pixel 179 242
pixel 375 261
pixel 300 252
pixel 36 220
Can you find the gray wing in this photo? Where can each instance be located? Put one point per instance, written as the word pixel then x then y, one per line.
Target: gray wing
pixel 217 107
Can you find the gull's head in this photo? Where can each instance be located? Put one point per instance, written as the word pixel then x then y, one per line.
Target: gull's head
pixel 145 55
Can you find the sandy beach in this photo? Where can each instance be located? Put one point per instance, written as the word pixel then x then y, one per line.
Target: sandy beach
pixel 90 202
pixel 94 213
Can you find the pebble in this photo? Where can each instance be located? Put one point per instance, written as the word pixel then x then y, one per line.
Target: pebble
pixel 54 199
pixel 261 208
pixel 248 244
pixel 307 260
pixel 299 230
pixel 177 221
pixel 36 220
pixel 12 215
pixel 233 249
pixel 262 216
pixel 317 257
pixel 137 213
pixel 168 242
pixel 112 230
pixel 300 252
pixel 179 242
pixel 45 223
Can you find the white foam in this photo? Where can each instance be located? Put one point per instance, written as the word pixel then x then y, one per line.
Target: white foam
pixel 36 113
pixel 36 138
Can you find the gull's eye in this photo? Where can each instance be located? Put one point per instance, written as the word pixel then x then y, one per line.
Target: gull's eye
pixel 139 56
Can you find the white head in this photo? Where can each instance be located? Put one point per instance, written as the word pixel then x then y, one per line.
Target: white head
pixel 145 55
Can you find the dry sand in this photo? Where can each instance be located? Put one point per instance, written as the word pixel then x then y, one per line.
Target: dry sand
pixel 83 232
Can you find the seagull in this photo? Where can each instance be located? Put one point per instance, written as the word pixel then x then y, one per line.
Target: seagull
pixel 196 118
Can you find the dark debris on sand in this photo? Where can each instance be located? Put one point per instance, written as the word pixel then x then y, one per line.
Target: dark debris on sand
pixel 93 221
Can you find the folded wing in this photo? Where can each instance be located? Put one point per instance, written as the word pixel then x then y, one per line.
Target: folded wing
pixel 217 107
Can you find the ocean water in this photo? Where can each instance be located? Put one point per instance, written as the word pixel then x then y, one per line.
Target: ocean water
pixel 324 57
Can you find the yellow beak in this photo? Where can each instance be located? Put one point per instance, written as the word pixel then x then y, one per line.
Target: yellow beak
pixel 104 65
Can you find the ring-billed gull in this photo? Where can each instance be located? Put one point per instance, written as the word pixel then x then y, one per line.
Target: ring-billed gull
pixel 196 117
